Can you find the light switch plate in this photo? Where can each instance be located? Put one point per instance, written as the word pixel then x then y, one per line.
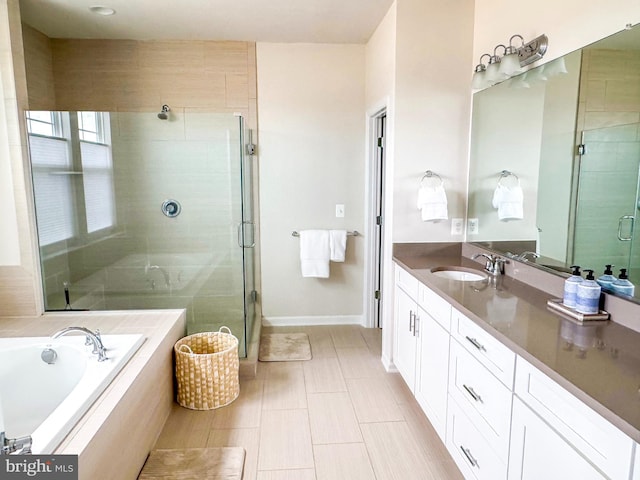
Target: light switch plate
pixel 472 226
pixel 457 226
pixel 339 210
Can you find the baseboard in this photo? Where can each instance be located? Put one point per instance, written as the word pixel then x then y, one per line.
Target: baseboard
pixel 313 320
pixel 388 364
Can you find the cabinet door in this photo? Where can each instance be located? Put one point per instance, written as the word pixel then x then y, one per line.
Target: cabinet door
pixel 432 371
pixel 636 464
pixel 537 451
pixel 404 355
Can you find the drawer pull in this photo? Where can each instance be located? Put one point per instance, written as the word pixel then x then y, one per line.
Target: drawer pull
pixel 473 394
pixel 476 344
pixel 467 453
pixel 412 317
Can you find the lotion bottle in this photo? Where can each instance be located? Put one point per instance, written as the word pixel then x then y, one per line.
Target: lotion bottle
pixel 571 287
pixel 622 285
pixel 588 295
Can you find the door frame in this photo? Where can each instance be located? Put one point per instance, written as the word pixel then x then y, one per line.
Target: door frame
pixel 381 108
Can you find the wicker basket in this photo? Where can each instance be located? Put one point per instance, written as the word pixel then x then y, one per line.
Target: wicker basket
pixel 207 370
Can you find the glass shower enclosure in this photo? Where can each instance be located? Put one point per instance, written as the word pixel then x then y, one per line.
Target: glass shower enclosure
pixel 137 211
pixel 608 198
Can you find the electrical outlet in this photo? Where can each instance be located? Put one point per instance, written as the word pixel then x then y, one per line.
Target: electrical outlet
pixel 457 226
pixel 339 211
pixel 472 226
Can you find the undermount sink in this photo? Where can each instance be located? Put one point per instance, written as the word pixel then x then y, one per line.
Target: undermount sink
pixel 459 274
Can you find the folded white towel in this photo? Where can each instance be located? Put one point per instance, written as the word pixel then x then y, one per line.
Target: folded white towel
pixel 509 202
pixel 432 201
pixel 314 253
pixel 337 245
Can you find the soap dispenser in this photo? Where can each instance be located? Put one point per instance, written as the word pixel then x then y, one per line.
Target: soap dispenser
pixel 588 295
pixel 606 279
pixel 571 287
pixel 622 285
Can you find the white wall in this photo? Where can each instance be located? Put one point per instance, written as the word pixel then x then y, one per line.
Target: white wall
pixel 569 24
pixel 312 129
pixel 432 110
pixel 380 61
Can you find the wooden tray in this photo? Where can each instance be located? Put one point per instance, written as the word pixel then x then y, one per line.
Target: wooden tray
pixel 557 305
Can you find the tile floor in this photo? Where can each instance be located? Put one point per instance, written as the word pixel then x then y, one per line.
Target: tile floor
pixel 339 416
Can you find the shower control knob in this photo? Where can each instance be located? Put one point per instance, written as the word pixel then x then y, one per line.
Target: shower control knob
pixel 171 208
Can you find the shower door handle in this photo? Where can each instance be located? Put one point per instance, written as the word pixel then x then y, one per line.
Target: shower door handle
pixel 241 243
pixel 622 219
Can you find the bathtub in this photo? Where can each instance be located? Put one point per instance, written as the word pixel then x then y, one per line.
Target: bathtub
pixel 47 400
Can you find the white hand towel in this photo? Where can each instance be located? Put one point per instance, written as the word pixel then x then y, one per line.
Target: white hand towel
pixel 509 202
pixel 314 253
pixel 432 202
pixel 337 245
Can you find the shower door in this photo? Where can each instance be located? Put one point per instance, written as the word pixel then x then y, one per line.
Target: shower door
pixel 607 200
pixel 135 211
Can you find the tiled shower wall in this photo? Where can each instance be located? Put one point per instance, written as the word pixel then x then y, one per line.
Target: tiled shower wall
pixel 609 114
pixel 134 79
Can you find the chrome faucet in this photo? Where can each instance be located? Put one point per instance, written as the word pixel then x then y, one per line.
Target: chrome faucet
pixel 494 264
pixel 20 445
pixel 91 338
pixel 523 256
pixel 165 274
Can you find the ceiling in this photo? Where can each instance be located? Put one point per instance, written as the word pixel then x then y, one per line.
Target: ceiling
pixel 302 21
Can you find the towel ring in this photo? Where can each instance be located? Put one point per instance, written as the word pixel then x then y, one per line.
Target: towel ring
pixel 506 174
pixel 430 174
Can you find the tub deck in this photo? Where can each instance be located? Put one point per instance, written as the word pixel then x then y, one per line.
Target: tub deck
pixel 141 394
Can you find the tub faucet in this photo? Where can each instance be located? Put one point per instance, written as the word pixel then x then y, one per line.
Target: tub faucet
pixel 92 337
pixel 20 445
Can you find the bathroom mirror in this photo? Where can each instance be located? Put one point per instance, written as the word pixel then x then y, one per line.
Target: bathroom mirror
pixel 568 134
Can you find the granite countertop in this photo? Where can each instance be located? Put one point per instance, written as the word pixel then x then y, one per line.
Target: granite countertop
pixel 599 364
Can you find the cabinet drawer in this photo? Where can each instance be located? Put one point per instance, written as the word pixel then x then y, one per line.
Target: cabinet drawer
pixel 485 400
pixel 470 449
pixel 595 438
pixel 435 305
pixel 407 282
pixel 482 345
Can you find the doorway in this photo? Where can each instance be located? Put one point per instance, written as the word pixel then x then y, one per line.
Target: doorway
pixel 376 218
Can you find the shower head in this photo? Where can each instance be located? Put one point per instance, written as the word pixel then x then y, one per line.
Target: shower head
pixel 164 114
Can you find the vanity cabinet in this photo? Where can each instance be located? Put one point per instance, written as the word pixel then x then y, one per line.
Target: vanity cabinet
pixel 421 346
pixel 405 340
pixel 568 421
pixel 434 316
pixel 538 451
pixel 499 416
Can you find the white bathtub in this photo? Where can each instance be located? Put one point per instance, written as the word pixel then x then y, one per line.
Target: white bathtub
pixel 47 400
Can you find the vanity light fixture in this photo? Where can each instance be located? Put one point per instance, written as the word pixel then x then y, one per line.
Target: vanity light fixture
pixel 479 80
pixel 512 61
pixel 494 72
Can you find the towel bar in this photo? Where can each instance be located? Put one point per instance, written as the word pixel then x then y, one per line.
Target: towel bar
pixel 355 233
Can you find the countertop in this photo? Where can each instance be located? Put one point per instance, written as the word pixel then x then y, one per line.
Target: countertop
pixel 599 364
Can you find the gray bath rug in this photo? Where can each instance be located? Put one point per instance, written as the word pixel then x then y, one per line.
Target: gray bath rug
pixel 221 463
pixel 284 347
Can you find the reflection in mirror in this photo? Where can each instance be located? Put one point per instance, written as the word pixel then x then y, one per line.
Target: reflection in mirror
pixel 570 131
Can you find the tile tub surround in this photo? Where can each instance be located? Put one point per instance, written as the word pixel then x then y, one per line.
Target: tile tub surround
pixel 604 373
pixel 141 394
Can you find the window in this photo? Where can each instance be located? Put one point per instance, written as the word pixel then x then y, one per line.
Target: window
pixel 72 175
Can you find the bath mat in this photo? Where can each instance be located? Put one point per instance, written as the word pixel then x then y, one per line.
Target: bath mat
pixel 221 463
pixel 284 347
